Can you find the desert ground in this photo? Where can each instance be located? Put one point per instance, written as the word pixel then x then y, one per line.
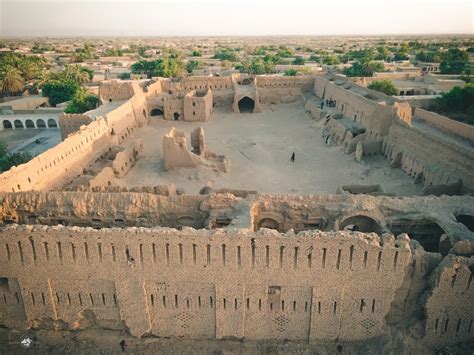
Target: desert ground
pixel 259 147
pixel 102 341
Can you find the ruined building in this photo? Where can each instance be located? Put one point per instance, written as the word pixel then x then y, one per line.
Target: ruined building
pixel 240 264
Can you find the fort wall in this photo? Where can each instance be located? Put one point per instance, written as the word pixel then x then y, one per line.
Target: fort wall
pixel 216 284
pixel 198 106
pixel 428 158
pixel 445 123
pixel 115 90
pixel 72 122
pixel 64 161
pixel 450 304
pixel 323 212
pixel 273 305
pixel 375 116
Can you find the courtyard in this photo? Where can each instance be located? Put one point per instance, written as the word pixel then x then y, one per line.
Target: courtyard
pixel 259 147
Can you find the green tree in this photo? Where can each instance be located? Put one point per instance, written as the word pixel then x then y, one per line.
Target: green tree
pixel 111 52
pixel 256 66
pixel 16 69
pixel 59 90
pixel 168 67
pixel 385 86
pixel 382 53
pixel 453 61
pixel 285 52
pixel 43 78
pixel 299 61
pixel 428 56
pixel 82 101
pixel 226 54
pixel 11 81
pixel 124 76
pixel 191 65
pixel 82 54
pixel 364 68
pixel 146 67
pixel 290 72
pixel 8 160
pixel 196 54
pixel 457 103
pixel 331 60
pixel 77 73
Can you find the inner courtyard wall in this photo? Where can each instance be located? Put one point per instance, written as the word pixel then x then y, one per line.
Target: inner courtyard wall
pixel 428 158
pixel 323 212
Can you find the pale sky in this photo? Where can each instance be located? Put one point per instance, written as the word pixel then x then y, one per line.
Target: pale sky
pixel 233 17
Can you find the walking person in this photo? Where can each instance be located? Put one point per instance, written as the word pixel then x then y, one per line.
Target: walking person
pixel 292 159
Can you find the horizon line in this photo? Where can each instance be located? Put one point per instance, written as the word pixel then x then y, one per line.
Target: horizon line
pixel 239 36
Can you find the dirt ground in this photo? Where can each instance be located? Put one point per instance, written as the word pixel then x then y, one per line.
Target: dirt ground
pixel 259 147
pixel 100 341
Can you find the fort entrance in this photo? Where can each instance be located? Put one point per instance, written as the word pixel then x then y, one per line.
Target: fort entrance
pixel 246 105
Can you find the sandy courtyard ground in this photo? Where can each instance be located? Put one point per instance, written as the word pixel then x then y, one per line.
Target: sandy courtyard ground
pixel 259 147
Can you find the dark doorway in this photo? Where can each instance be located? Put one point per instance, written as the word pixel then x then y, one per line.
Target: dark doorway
pixel 52 123
pixel 40 124
pixel 467 220
pixel 361 224
pixel 18 124
pixel 425 231
pixel 269 223
pixel 246 105
pixel 176 116
pixel 7 124
pixel 29 124
pixel 156 112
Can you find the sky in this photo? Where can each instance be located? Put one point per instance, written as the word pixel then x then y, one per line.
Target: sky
pixel 233 17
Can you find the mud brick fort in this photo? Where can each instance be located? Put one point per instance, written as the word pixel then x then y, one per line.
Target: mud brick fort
pixel 96 229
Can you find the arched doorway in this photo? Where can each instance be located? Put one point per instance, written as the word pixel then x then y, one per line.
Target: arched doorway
pixel 18 124
pixel 52 123
pixel 361 223
pixel 40 123
pixel 7 124
pixel 426 231
pixel 246 105
pixel 156 112
pixel 29 124
pixel 269 223
pixel 246 81
pixel 467 220
pixel 176 116
pixel 189 221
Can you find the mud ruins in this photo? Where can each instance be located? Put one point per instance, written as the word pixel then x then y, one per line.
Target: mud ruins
pixel 126 226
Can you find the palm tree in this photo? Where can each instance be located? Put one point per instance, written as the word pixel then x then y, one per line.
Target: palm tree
pixel 43 78
pixel 27 69
pixel 11 80
pixel 77 73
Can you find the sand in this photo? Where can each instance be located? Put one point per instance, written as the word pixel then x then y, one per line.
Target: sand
pixel 103 341
pixel 259 147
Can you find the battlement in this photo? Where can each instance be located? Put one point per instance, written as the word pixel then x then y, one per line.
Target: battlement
pixel 212 284
pixel 275 264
